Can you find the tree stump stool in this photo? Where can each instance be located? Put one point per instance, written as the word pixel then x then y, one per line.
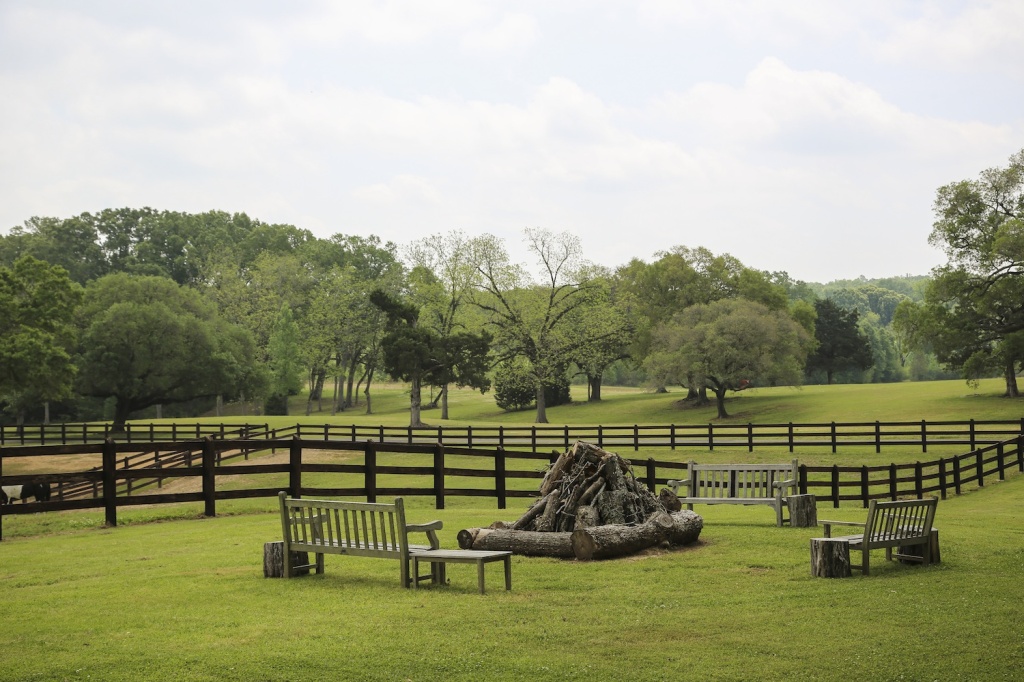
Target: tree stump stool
pixel 273 560
pixel 830 558
pixel 918 550
pixel 803 511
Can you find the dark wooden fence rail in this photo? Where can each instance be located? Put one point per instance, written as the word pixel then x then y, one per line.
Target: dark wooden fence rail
pixel 113 481
pixel 792 436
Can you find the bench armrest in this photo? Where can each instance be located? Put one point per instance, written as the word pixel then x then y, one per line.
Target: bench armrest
pixel 676 485
pixel 828 525
pixel 788 483
pixel 430 529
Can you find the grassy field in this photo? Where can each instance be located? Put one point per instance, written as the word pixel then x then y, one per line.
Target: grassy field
pixel 908 401
pixel 186 600
pixel 169 595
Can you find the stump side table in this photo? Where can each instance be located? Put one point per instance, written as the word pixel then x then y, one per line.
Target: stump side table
pixel 830 558
pixel 803 511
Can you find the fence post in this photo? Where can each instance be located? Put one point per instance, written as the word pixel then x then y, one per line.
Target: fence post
pixel 791 437
pixel 924 436
pixel 918 481
pixel 370 471
pixel 878 437
pixel 651 474
pixel 295 468
pixel 469 436
pixel 63 433
pixel 672 435
pixel 127 481
pixel 110 481
pixel 408 431
pixel 711 437
pixel 636 438
pixel 501 436
pixel 438 476
pixel 600 436
pixel 999 459
pixel 533 438
pixel 980 460
pixel 972 433
pixel 864 488
pixel 942 477
pixel 803 479
pixel 499 477
pixel 566 436
pixel 956 473
pixel 833 431
pixel 893 485
pixel 750 437
pixel 209 477
pixel 835 486
pixel 1020 454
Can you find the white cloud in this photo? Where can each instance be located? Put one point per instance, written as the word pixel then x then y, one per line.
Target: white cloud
pixel 513 30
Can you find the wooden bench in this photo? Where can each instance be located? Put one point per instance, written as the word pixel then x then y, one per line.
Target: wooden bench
pixel 370 529
pixel 738 484
pixel 900 524
pixel 440 557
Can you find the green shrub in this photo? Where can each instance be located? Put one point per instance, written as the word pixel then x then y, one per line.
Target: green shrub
pixel 514 388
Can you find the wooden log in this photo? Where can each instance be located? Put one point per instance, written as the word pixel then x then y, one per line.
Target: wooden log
pixel 669 500
pixel 830 558
pixel 803 511
pixel 908 554
pixel 520 542
pixel 686 527
pixel 554 475
pixel 546 521
pixel 611 504
pixel 530 514
pixel 604 542
pixel 587 517
pixel 273 560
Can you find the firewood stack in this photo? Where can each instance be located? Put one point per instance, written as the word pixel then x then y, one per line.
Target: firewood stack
pixel 590 507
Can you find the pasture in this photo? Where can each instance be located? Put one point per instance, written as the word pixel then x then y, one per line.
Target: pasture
pixel 170 595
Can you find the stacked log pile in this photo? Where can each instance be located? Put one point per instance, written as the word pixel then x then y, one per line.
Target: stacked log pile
pixel 590 507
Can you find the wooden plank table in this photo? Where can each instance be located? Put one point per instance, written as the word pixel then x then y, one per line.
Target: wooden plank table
pixel 464 556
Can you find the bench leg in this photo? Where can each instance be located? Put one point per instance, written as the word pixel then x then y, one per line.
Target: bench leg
pixel 416 572
pixel 508 573
pixel 480 575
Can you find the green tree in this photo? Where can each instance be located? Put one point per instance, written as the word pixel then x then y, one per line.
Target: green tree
pixel 285 360
pixel 418 354
pixel 148 341
pixel 37 333
pixel 977 299
pixel 532 318
pixel 841 344
pixel 730 344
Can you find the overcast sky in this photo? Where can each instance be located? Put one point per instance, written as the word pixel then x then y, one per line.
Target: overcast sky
pixel 806 136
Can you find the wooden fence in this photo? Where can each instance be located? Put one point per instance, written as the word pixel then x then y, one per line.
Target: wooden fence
pixel 969 434
pixel 116 482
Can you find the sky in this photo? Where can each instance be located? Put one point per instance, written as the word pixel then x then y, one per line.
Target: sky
pixel 807 136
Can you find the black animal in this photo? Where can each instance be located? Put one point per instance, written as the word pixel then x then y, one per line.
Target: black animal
pixel 10 493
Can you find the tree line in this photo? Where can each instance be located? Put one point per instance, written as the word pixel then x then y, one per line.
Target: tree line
pixel 127 311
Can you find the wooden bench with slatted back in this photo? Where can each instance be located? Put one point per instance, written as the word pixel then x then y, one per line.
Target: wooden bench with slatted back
pixel 897 524
pixel 370 529
pixel 765 484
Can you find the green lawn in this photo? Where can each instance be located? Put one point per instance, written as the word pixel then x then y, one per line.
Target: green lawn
pixel 907 401
pixel 186 600
pixel 169 595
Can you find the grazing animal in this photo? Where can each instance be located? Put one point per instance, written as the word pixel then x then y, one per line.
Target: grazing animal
pixel 10 493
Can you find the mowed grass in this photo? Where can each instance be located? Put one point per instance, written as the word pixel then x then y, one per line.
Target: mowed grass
pixel 907 401
pixel 186 600
pixel 169 595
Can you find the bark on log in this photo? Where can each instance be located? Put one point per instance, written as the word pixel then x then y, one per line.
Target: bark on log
pixel 803 511
pixel 273 560
pixel 669 500
pixel 830 558
pixel 686 527
pixel 546 521
pixel 519 542
pixel 530 514
pixel 604 542
pixel 611 505
pixel 587 517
